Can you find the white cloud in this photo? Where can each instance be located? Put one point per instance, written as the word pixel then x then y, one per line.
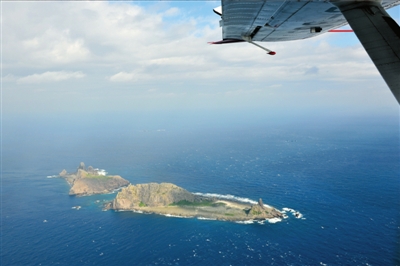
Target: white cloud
pixel 8 78
pixel 56 47
pixel 122 76
pixel 165 49
pixel 50 77
pixel 172 12
pixel 121 37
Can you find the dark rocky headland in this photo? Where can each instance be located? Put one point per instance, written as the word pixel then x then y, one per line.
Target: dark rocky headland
pixel 89 181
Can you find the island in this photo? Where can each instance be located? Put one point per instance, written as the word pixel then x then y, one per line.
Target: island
pixel 89 181
pixel 170 200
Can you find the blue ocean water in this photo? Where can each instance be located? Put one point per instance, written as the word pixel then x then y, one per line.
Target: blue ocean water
pixel 341 173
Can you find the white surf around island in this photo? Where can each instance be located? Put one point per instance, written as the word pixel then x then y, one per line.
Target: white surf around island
pixel 262 222
pixel 205 218
pixel 115 190
pixel 229 197
pixel 176 216
pixel 295 213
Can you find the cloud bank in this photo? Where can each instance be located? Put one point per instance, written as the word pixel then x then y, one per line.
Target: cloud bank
pixel 124 50
pixel 50 76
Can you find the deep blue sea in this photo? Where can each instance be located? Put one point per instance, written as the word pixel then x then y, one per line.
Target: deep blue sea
pixel 342 173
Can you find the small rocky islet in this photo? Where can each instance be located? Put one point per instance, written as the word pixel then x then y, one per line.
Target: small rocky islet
pixel 164 198
pixel 89 181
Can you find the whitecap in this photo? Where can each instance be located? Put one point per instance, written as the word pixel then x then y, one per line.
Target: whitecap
pixel 177 216
pixel 228 197
pixel 245 222
pixel 52 176
pixel 295 213
pixel 115 190
pixel 204 218
pixel 298 215
pixel 274 220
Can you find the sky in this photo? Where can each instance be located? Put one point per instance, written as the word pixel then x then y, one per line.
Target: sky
pixel 84 57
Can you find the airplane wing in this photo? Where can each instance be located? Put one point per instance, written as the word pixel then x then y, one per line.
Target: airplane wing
pixel 273 20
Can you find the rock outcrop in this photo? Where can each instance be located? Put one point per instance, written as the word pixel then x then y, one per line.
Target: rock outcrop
pixel 151 195
pixel 91 181
pixel 259 210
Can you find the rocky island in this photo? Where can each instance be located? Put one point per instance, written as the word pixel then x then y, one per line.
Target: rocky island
pixel 169 199
pixel 89 181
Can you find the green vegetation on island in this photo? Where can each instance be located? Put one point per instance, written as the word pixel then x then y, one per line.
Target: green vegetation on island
pixel 169 199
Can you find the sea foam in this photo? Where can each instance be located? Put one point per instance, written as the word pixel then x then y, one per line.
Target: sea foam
pixel 204 218
pixel 245 222
pixel 295 213
pixel 228 196
pixel 274 220
pixel 177 216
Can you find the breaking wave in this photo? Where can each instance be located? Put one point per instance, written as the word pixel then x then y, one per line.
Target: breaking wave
pixel 245 222
pixel 271 221
pixel 274 220
pixel 295 213
pixel 204 218
pixel 176 216
pixel 229 197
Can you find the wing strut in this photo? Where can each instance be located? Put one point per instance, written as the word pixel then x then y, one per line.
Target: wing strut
pixel 380 36
pixel 249 40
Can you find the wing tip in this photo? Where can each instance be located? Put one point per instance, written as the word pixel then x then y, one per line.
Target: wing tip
pixel 226 41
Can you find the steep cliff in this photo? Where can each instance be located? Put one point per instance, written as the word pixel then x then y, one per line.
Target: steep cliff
pixel 90 181
pixel 151 195
pixel 97 185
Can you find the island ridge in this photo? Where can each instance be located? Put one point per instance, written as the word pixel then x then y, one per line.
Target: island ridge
pixel 169 199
